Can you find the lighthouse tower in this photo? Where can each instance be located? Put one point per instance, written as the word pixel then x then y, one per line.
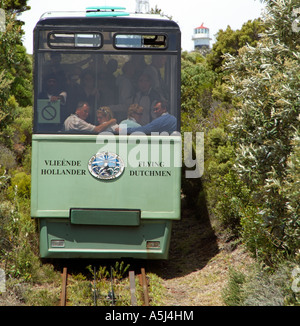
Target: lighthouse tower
pixel 201 38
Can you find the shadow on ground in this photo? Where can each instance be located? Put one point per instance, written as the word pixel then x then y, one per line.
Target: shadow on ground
pixel 193 244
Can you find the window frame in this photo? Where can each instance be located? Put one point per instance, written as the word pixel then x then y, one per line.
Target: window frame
pixel 64 46
pixel 147 48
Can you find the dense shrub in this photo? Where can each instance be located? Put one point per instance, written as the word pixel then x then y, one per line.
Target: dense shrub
pixel 265 82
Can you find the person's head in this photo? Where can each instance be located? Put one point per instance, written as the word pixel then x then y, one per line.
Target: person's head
pixel 74 75
pixel 159 61
pixel 104 114
pixel 159 108
pixel 82 110
pixel 135 111
pixel 55 58
pixel 88 79
pixel 51 82
pixel 128 69
pixel 144 82
pixel 112 66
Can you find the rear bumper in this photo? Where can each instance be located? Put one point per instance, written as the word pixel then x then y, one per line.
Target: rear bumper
pixel 59 238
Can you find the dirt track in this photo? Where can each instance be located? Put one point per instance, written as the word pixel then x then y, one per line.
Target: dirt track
pixel 197 269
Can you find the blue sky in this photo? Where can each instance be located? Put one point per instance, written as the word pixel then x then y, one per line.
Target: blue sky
pixel 215 14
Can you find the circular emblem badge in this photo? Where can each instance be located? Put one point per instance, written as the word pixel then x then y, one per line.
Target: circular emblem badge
pixel 106 166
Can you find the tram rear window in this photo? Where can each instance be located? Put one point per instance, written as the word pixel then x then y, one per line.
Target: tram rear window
pixel 74 40
pixel 140 41
pixel 120 85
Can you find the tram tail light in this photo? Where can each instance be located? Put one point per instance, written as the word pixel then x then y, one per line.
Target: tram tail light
pixel 153 245
pixel 57 243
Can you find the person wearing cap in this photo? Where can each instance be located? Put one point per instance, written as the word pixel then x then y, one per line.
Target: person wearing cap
pixel 135 115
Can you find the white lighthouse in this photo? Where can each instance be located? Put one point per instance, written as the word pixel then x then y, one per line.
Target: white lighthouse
pixel 201 38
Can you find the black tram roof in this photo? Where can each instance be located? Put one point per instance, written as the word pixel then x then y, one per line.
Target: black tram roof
pixel 108 22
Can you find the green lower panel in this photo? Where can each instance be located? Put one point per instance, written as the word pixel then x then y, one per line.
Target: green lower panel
pixel 61 239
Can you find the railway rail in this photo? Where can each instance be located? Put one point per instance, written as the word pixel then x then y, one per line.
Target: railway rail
pixel 111 295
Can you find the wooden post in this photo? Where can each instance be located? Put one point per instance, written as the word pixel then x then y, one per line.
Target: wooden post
pixel 145 287
pixel 63 299
pixel 132 288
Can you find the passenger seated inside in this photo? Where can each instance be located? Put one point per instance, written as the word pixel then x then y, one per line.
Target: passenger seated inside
pixel 135 116
pixel 77 121
pixel 163 122
pixel 104 115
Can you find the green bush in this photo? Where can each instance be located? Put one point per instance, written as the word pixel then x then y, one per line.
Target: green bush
pixel 7 158
pixel 17 134
pixel 20 186
pixel 226 195
pixel 265 82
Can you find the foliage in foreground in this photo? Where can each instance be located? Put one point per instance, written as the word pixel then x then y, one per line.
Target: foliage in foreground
pixel 261 287
pixel 265 82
